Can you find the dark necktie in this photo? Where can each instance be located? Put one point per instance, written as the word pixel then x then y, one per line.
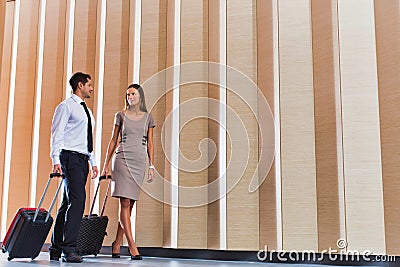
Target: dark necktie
pixel 89 129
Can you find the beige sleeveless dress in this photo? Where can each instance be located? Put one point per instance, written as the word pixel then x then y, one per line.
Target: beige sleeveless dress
pixel 129 161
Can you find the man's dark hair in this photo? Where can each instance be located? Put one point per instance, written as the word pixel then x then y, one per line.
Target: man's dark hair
pixel 78 77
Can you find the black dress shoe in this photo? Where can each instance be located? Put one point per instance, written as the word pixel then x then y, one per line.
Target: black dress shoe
pixel 136 257
pixel 55 257
pixel 55 254
pixel 71 257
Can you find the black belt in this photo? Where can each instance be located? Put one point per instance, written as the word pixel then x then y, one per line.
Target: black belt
pixel 82 156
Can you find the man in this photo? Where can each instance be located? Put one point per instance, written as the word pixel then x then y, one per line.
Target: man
pixel 71 150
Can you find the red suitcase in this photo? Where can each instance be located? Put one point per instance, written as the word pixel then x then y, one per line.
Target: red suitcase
pixel 29 229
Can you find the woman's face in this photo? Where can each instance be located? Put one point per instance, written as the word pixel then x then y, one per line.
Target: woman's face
pixel 133 96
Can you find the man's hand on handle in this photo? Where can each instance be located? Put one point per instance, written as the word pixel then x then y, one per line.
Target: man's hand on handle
pixel 57 168
pixel 95 172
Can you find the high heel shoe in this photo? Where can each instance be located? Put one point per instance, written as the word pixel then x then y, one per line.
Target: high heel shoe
pixel 114 255
pixel 136 257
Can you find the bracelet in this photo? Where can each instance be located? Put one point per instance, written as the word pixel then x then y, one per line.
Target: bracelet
pixel 152 167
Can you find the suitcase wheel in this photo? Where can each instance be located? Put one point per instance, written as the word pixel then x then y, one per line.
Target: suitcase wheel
pixel 9 258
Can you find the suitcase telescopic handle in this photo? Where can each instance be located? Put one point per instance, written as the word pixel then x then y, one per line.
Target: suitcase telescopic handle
pixel 52 175
pixel 56 174
pixel 103 177
pixel 106 196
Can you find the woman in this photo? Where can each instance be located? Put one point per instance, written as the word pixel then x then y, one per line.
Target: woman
pixel 134 125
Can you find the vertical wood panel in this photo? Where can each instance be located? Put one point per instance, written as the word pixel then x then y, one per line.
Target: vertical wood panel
pixel 299 207
pixel 388 49
pixel 84 58
pixel 5 84
pixel 361 136
pixel 214 46
pixel 149 222
pixel 52 92
pixel 133 8
pixel 192 225
pixel 19 189
pixel 387 21
pixel 84 50
pixel 2 26
pixel 115 84
pixel 325 124
pixel 265 80
pixel 169 232
pixel 242 206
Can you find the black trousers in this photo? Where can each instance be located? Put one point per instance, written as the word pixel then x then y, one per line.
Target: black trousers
pixel 75 168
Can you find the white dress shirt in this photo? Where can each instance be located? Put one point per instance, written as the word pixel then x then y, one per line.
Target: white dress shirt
pixel 69 129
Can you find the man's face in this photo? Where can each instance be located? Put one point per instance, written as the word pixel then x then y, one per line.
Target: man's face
pixel 87 89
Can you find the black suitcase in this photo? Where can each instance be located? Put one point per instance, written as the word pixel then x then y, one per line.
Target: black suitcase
pixel 29 229
pixel 93 227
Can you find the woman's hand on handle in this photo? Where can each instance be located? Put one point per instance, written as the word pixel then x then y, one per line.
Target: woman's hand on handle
pixel 105 171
